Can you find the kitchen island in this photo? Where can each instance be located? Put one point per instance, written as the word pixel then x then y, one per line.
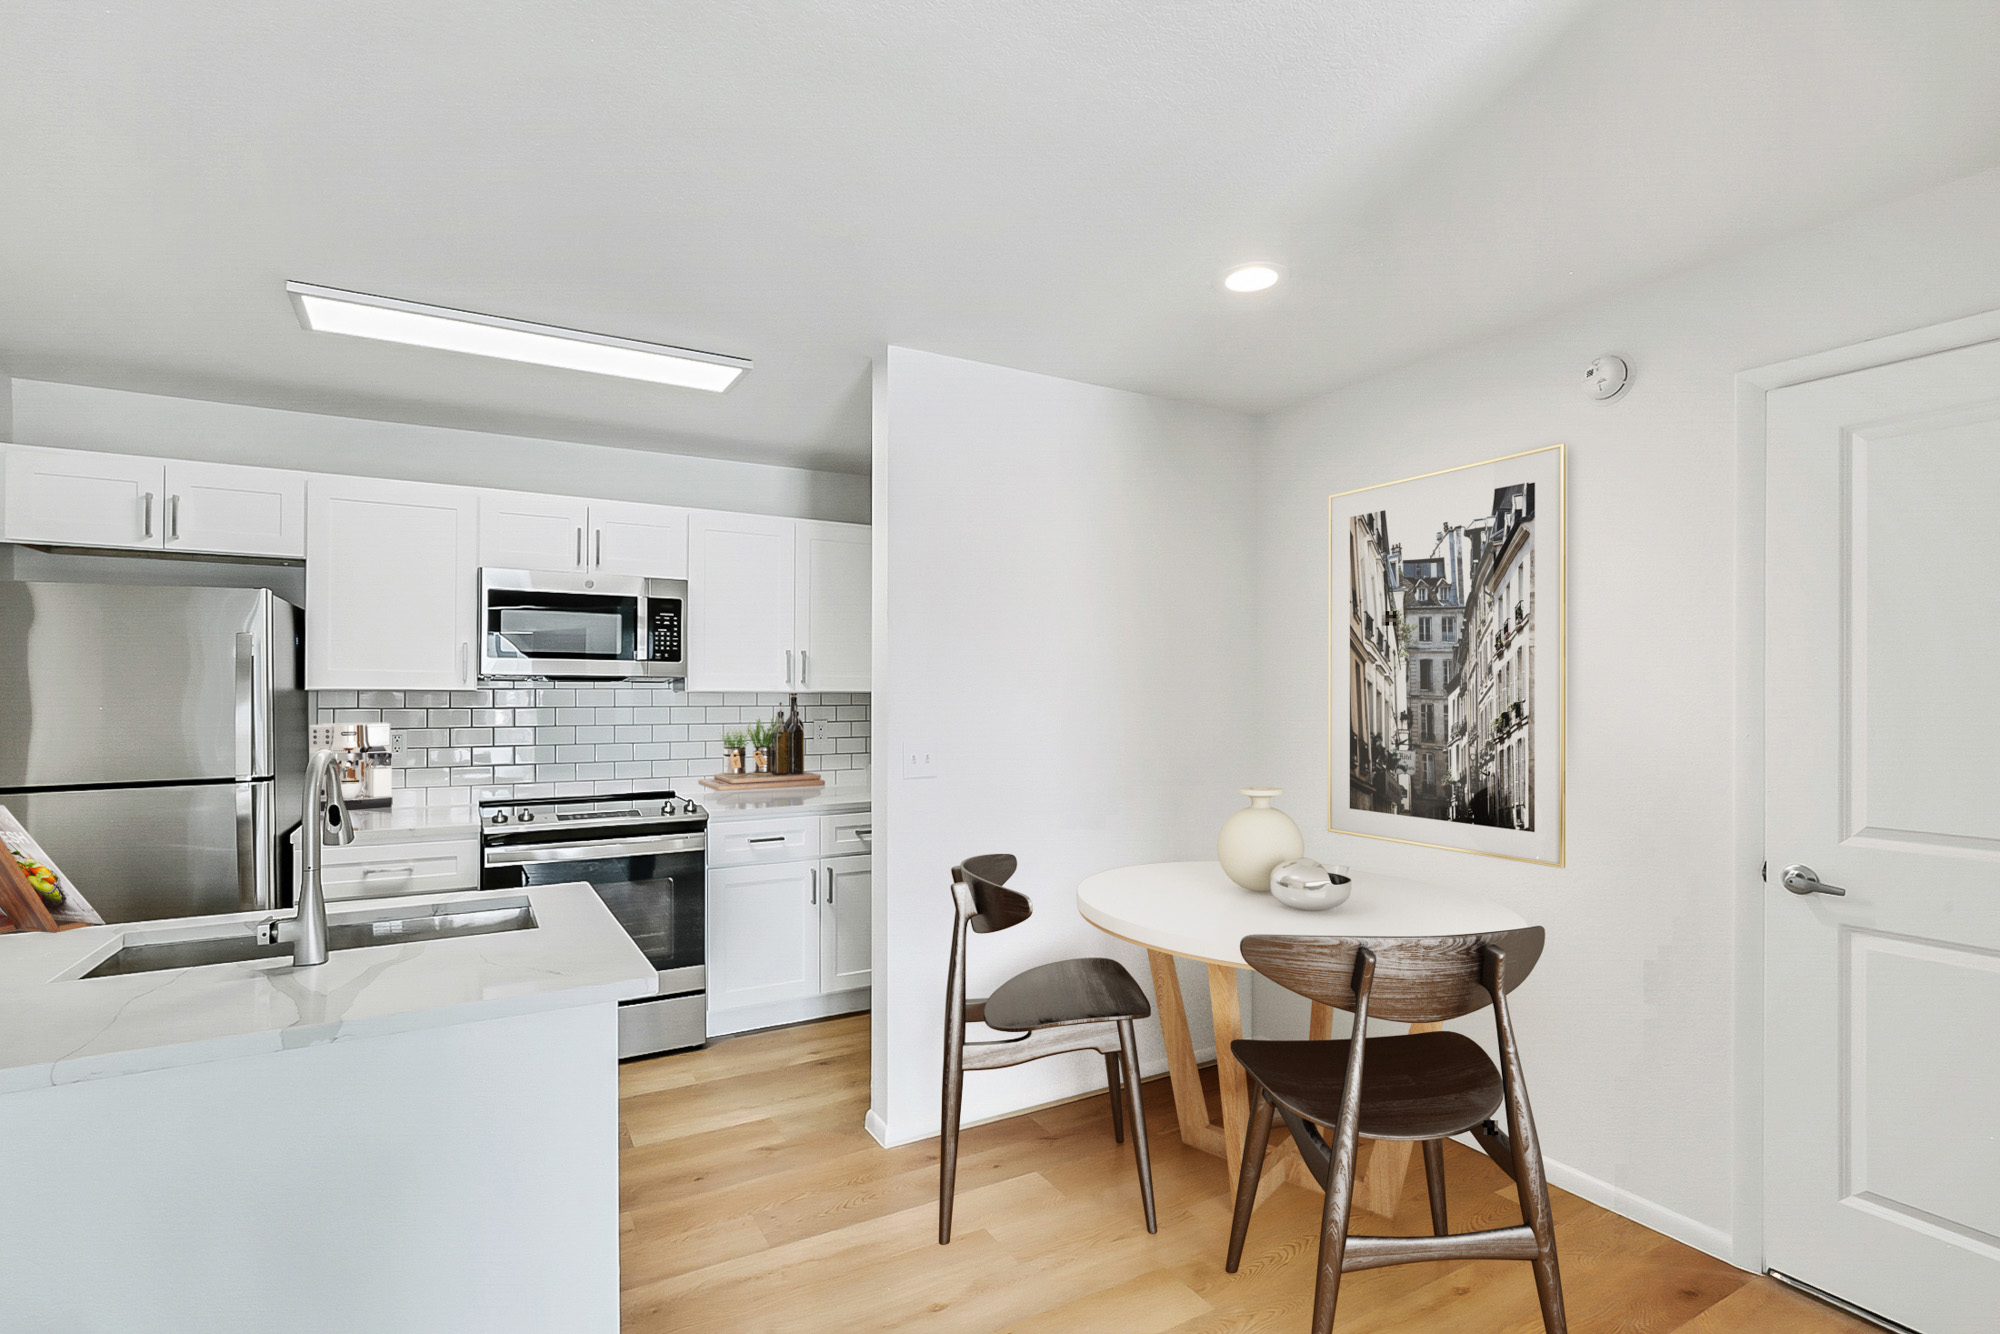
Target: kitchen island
pixel 416 1135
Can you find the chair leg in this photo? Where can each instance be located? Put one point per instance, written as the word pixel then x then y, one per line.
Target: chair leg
pixel 1333 1227
pixel 1434 1178
pixel 1540 1219
pixel 1128 1052
pixel 1111 1083
pixel 1255 1141
pixel 954 1089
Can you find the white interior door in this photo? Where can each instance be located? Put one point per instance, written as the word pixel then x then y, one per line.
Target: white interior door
pixel 1882 1006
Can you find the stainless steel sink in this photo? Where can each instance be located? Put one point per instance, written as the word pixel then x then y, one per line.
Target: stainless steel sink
pixel 390 926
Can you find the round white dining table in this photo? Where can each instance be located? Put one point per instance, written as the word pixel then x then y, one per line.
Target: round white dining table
pixel 1191 910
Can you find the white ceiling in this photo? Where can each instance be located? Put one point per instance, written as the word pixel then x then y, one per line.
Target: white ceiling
pixel 1049 184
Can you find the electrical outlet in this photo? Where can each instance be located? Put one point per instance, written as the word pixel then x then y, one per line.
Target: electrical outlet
pixel 919 764
pixel 323 736
pixel 396 742
pixel 818 726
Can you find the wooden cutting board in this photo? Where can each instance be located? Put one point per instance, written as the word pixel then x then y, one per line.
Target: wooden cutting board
pixel 740 782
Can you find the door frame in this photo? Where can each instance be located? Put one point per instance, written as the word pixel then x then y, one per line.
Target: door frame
pixel 1753 388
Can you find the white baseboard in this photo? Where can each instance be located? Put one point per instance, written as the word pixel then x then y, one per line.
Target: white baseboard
pixel 1714 1241
pixel 877 1129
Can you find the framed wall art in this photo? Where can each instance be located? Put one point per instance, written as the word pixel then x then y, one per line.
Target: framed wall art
pixel 1445 658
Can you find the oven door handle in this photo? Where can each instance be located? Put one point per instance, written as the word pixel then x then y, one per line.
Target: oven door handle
pixel 530 853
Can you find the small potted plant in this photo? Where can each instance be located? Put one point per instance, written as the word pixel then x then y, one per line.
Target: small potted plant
pixel 732 749
pixel 760 742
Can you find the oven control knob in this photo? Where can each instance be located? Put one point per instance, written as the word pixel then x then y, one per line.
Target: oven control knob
pixel 527 817
pixel 688 807
pixel 501 818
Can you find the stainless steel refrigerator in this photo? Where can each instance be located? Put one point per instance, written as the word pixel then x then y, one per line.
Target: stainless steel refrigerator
pixel 153 740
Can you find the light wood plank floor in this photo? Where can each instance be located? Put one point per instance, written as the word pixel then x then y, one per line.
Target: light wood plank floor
pixel 754 1201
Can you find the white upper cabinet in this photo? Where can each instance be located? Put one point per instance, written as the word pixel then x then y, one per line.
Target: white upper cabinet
pixel 650 541
pixel 73 498
pixel 741 614
pixel 220 507
pixel 832 604
pixel 519 531
pixel 392 575
pixel 79 498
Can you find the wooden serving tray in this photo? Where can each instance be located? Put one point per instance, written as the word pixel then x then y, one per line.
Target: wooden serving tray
pixel 741 782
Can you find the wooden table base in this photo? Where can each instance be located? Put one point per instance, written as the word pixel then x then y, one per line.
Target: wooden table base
pixel 1388 1167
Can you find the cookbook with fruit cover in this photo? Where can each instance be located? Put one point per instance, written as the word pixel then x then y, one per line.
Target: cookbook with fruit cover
pixel 57 893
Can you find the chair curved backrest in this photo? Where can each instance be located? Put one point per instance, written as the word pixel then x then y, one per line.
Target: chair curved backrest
pixel 1417 979
pixel 994 907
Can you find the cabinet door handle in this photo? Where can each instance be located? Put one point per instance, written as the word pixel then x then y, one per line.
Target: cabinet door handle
pixel 803 672
pixel 174 518
pixel 788 666
pixel 579 548
pixel 464 661
pixel 147 511
pixel 815 884
pixel 599 561
pixel 829 889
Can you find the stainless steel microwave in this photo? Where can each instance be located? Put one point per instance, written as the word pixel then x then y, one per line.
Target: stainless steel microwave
pixel 571 625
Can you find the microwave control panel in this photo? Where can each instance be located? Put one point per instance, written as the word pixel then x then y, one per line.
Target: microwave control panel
pixel 664 634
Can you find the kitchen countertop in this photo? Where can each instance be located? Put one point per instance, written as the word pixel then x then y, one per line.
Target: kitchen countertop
pixel 833 799
pixel 406 823
pixel 60 1028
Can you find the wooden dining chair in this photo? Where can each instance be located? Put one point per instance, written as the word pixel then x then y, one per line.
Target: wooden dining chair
pixel 1071 1005
pixel 1420 1086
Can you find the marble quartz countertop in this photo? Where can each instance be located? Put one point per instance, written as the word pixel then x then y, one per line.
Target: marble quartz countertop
pixel 833 799
pixel 57 1027
pixel 407 823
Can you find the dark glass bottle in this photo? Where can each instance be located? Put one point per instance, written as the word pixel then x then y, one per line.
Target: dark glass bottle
pixel 795 729
pixel 781 746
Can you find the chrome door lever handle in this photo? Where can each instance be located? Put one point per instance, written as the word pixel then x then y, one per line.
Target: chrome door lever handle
pixel 1805 880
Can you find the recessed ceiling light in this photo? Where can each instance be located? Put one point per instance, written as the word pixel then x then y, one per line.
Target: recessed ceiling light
pixel 330 310
pixel 1250 278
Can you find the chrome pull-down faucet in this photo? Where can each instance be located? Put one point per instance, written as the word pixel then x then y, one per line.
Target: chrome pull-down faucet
pixel 324 823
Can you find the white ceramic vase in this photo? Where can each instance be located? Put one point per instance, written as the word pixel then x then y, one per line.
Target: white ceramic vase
pixel 1256 839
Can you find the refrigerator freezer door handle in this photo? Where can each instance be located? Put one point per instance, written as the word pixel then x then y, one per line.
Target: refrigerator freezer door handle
pixel 246 706
pixel 256 886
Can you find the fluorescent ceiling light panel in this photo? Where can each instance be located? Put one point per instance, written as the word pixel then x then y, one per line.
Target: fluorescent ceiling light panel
pixel 330 310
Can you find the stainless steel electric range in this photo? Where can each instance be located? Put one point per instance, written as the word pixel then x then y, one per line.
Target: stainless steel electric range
pixel 643 852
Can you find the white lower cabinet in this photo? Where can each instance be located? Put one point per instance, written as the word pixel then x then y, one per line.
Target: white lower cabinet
pixel 763 935
pixel 788 940
pixel 846 894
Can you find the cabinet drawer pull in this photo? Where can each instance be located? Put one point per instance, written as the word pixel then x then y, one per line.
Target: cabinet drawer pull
pixel 387 870
pixel 866 835
pixel 770 838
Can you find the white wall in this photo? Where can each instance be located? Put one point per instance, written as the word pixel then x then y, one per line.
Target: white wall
pixel 82 417
pixel 1065 623
pixel 1641 1026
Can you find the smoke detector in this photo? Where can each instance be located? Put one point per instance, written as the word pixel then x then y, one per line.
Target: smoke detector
pixel 1606 378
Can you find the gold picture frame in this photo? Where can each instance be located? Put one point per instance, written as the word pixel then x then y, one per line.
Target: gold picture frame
pixel 1442 741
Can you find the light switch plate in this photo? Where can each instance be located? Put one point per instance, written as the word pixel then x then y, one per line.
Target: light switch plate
pixel 919 763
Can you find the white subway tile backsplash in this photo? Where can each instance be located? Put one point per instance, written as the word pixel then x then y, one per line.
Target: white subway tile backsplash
pixel 465 745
